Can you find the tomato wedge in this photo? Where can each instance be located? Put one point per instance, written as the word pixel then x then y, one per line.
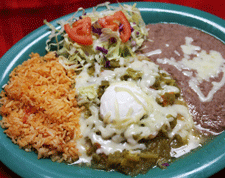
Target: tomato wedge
pixel 80 31
pixel 113 22
pixel 126 31
pixel 109 22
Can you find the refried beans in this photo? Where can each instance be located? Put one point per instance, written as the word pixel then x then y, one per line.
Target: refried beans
pixel 165 41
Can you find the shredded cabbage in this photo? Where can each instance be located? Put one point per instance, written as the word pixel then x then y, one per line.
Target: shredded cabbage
pixel 107 44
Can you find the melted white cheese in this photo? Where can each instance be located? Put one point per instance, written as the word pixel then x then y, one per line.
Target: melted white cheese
pixel 157 51
pixel 193 143
pixel 188 48
pixel 121 122
pixel 205 65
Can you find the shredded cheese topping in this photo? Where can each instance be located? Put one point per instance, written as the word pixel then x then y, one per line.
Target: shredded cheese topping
pixel 115 130
pixel 205 65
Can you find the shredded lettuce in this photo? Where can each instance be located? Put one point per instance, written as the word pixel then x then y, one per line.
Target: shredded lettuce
pixel 74 55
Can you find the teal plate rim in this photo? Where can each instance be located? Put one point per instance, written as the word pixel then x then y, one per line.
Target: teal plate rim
pixel 202 162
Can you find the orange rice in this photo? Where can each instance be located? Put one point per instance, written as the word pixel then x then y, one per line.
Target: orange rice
pixel 39 109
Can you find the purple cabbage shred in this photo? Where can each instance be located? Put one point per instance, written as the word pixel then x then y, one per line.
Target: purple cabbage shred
pixel 96 30
pixel 120 27
pixel 105 51
pixel 107 64
pixel 165 164
pixel 113 40
pixel 132 29
pixel 133 43
pixel 56 55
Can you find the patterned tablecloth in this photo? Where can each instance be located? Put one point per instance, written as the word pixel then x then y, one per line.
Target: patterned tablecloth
pixel 20 17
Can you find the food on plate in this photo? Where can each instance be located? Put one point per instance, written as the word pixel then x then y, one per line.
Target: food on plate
pixel 115 94
pixel 196 60
pixel 39 109
pixel 106 36
pixel 133 118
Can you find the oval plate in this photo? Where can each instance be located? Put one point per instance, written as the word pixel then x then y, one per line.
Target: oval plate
pixel 202 162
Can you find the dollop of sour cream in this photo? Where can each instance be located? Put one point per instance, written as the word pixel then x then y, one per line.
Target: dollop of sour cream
pixel 123 102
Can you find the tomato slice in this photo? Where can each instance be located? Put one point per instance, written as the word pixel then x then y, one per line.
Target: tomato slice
pixel 126 31
pixel 113 22
pixel 80 31
pixel 109 22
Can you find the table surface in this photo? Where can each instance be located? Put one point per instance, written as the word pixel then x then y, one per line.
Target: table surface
pixel 20 17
